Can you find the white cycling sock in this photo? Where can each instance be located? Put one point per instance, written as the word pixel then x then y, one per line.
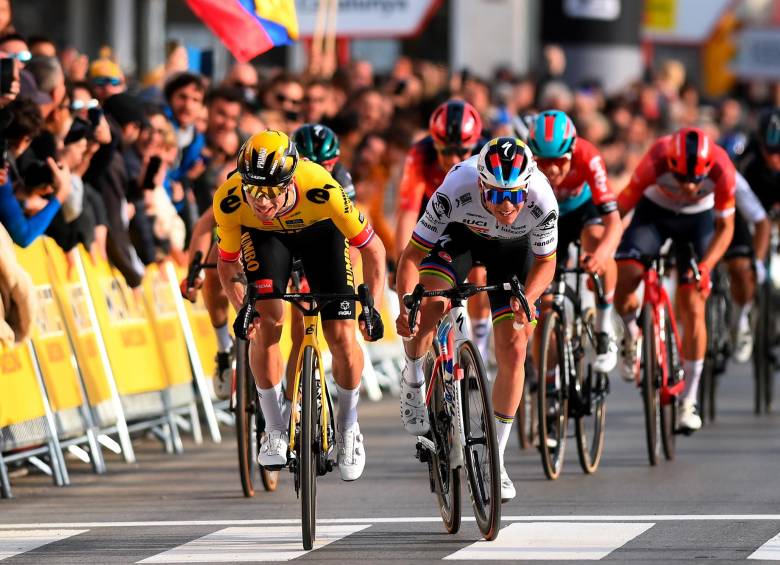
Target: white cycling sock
pixel 272 411
pixel 604 319
pixel 503 429
pixel 692 370
pixel 347 411
pixel 224 339
pixel 415 375
pixel 629 320
pixel 480 329
pixel 743 316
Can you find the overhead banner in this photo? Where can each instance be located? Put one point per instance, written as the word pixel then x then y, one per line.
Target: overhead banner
pixel 759 54
pixel 370 18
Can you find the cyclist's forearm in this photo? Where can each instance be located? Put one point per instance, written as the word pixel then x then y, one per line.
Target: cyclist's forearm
pixel 407 276
pixel 540 277
pixel 373 256
pixel 761 233
pixel 724 231
pixel 201 236
pixel 403 231
pixel 231 275
pixel 613 230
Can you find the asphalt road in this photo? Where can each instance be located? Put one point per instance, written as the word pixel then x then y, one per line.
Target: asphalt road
pixel 719 501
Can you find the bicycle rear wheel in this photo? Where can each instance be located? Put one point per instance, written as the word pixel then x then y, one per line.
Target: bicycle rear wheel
pixel 481 458
pixel 763 346
pixel 445 481
pixel 707 382
pixel 593 386
pixel 649 382
pixel 245 419
pixel 308 447
pixel 552 400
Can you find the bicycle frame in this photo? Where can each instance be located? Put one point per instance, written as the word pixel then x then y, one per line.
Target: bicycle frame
pixel 655 294
pixel 450 334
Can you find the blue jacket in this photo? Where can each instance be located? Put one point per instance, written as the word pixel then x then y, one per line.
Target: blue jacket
pixel 24 230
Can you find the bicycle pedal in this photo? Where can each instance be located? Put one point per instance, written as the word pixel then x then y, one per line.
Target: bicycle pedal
pixel 426 444
pixel 273 467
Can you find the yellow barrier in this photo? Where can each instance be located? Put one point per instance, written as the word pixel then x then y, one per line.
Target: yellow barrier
pixel 20 395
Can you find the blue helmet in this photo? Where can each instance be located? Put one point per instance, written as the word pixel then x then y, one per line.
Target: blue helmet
pixel 552 134
pixel 734 143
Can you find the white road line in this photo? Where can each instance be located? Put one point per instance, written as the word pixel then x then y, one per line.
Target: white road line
pixel 770 551
pixel 578 541
pixel 14 542
pixel 232 545
pixel 404 520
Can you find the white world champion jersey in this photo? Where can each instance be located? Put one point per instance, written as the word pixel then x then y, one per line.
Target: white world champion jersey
pixel 748 204
pixel 459 200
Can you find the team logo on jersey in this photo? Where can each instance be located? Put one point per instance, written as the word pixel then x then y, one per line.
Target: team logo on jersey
pixel 446 256
pixel 442 206
pixel 231 202
pixel 536 212
pixel 549 221
pixel 463 199
pixel 261 157
pixel 318 195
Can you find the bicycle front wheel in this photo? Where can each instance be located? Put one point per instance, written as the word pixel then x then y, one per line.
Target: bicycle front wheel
pixel 593 386
pixel 650 370
pixel 668 411
pixel 309 447
pixel 246 428
pixel 483 466
pixel 763 346
pixel 552 401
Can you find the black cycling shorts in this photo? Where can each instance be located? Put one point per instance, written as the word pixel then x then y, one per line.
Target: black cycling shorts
pixel 324 254
pixel 460 249
pixel 742 242
pixel 570 227
pixel 652 225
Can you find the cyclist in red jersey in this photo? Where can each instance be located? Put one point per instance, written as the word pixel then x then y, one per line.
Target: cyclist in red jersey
pixel 455 130
pixel 682 189
pixel 587 211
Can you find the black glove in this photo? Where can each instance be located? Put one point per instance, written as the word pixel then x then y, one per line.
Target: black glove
pixel 238 324
pixel 377 327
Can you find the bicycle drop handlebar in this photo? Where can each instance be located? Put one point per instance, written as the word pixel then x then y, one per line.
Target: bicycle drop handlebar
pixel 461 292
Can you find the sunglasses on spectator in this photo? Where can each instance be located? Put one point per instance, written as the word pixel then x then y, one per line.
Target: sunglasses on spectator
pixel 560 162
pixel 264 192
pixel 449 150
pixel 105 81
pixel 78 105
pixel 22 56
pixel 281 98
pixel 694 179
pixel 497 196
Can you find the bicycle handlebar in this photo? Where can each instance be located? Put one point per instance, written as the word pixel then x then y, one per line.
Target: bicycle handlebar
pixel 461 292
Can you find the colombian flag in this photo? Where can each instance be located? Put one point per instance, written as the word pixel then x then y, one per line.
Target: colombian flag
pixel 249 27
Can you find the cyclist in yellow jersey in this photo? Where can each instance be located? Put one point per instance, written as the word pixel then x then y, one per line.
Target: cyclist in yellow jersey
pixel 273 208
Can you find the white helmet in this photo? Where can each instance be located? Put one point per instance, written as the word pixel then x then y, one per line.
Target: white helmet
pixel 505 163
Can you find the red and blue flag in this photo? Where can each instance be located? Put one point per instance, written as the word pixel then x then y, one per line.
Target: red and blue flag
pixel 249 27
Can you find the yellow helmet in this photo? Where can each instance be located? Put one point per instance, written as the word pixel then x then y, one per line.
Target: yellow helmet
pixel 268 159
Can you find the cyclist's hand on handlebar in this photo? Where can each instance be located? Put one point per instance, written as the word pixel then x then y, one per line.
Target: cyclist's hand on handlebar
pixel 190 292
pixel 238 324
pixel 760 271
pixel 595 262
pixel 402 324
pixel 704 284
pixel 521 321
pixel 377 326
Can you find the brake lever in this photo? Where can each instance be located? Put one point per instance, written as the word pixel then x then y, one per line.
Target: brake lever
pixel 367 303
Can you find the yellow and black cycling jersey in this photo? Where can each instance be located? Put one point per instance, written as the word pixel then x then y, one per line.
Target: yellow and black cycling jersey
pixel 314 197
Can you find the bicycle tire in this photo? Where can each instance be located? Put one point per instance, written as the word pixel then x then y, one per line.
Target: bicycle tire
pixel 555 409
pixel 308 449
pixel 707 380
pixel 668 412
pixel 245 434
pixel 593 386
pixel 762 347
pixel 649 379
pixel 445 480
pixel 484 476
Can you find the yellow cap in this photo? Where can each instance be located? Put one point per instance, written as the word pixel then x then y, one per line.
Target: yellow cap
pixel 105 68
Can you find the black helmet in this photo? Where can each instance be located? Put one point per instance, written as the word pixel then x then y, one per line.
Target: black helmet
pixel 769 130
pixel 267 159
pixel 316 142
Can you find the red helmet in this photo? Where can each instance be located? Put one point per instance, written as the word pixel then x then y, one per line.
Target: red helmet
pixel 690 155
pixel 455 123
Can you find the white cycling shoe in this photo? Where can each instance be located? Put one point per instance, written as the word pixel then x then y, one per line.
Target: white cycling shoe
pixel 629 366
pixel 689 420
pixel 414 413
pixel 507 487
pixel 350 453
pixel 606 353
pixel 273 450
pixel 744 348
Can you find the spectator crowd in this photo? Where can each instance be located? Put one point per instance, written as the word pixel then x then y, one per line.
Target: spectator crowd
pixel 125 166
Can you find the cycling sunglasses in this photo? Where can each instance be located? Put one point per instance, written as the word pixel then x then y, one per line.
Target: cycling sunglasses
pixel 449 150
pixel 497 196
pixel 22 56
pixel 266 192
pixel 560 162
pixel 694 179
pixel 105 81
pixel 78 105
